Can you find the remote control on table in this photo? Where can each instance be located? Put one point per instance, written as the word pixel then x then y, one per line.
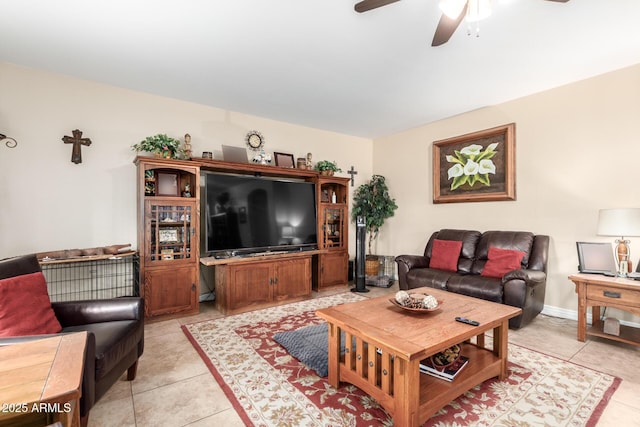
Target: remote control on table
pixel 467 321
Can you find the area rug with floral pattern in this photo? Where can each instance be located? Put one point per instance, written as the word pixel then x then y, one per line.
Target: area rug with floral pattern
pixel 268 387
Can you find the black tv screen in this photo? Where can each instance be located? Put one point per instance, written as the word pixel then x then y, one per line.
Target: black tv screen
pixel 243 214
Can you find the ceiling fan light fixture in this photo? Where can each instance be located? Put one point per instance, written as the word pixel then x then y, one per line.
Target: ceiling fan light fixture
pixel 477 10
pixel 452 8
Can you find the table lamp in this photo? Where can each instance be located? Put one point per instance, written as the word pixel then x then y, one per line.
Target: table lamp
pixel 620 222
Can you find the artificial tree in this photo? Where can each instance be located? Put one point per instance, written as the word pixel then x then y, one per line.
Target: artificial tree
pixel 372 201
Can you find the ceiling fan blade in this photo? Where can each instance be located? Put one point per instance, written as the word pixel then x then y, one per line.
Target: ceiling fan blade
pixel 366 5
pixel 446 27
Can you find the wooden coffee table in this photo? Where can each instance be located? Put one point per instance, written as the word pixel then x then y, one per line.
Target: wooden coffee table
pixel 390 343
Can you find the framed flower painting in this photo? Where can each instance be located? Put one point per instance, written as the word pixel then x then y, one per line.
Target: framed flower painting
pixel 476 167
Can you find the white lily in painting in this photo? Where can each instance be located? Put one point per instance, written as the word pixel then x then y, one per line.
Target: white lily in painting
pixel 487 166
pixel 455 171
pixel 471 167
pixel 472 164
pixel 471 150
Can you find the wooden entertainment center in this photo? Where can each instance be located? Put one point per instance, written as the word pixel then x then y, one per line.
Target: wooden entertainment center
pixel 169 242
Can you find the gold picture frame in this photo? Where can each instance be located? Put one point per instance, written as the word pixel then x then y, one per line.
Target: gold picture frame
pixel 476 167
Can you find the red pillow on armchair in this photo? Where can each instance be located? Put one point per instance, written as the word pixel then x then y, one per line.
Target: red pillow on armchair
pixel 445 254
pixel 500 261
pixel 25 307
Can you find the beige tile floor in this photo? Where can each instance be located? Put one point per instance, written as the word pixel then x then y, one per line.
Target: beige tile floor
pixel 175 388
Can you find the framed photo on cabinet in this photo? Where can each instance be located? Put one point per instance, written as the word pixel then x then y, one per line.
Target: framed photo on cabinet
pixel 284 160
pixel 168 235
pixel 167 254
pixel 168 184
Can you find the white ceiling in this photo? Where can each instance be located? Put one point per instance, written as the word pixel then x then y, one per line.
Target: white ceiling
pixel 318 63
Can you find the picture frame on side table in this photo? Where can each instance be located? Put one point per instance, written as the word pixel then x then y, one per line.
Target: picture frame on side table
pixel 476 167
pixel 284 160
pixel 596 258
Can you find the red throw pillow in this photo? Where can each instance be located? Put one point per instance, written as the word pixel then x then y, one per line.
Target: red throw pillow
pixel 445 254
pixel 500 261
pixel 25 307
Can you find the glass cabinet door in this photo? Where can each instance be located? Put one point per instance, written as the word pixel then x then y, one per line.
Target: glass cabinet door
pixel 333 227
pixel 169 232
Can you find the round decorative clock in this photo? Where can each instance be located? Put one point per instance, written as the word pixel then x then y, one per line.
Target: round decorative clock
pixel 254 140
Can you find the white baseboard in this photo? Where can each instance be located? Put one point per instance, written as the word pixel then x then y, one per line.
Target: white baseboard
pixel 563 313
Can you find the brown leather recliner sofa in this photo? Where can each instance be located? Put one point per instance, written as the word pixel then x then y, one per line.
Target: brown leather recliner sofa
pixel 115 337
pixel 522 287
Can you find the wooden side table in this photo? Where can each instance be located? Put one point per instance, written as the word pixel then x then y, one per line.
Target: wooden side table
pixel 40 381
pixel 597 291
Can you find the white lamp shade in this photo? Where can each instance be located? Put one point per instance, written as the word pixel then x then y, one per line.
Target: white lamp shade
pixel 619 222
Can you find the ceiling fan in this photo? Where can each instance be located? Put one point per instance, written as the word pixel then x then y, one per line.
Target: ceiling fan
pixel 453 12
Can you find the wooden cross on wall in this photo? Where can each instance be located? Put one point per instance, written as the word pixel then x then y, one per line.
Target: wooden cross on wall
pixel 353 174
pixel 77 141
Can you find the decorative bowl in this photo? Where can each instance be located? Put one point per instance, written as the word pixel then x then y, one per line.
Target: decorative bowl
pixel 415 309
pixel 446 358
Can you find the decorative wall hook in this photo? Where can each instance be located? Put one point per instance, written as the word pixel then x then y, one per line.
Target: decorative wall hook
pixel 8 141
pixel 77 140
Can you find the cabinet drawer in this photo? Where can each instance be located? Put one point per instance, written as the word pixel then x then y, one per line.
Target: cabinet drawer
pixel 609 295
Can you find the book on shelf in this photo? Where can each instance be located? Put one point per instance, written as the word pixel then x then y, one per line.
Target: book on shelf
pixel 449 373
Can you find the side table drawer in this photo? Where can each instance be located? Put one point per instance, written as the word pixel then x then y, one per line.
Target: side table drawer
pixel 613 296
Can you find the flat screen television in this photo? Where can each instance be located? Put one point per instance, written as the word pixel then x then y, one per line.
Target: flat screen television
pixel 245 214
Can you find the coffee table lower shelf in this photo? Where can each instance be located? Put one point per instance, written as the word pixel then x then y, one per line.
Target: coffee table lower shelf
pixel 434 392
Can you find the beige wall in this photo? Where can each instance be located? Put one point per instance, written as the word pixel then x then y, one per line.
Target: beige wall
pixel 49 203
pixel 576 152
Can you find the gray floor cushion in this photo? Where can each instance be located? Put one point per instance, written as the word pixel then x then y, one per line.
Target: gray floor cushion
pixel 309 345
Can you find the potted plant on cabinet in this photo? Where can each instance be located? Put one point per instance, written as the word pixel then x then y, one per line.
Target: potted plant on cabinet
pixel 160 145
pixel 326 167
pixel 373 202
